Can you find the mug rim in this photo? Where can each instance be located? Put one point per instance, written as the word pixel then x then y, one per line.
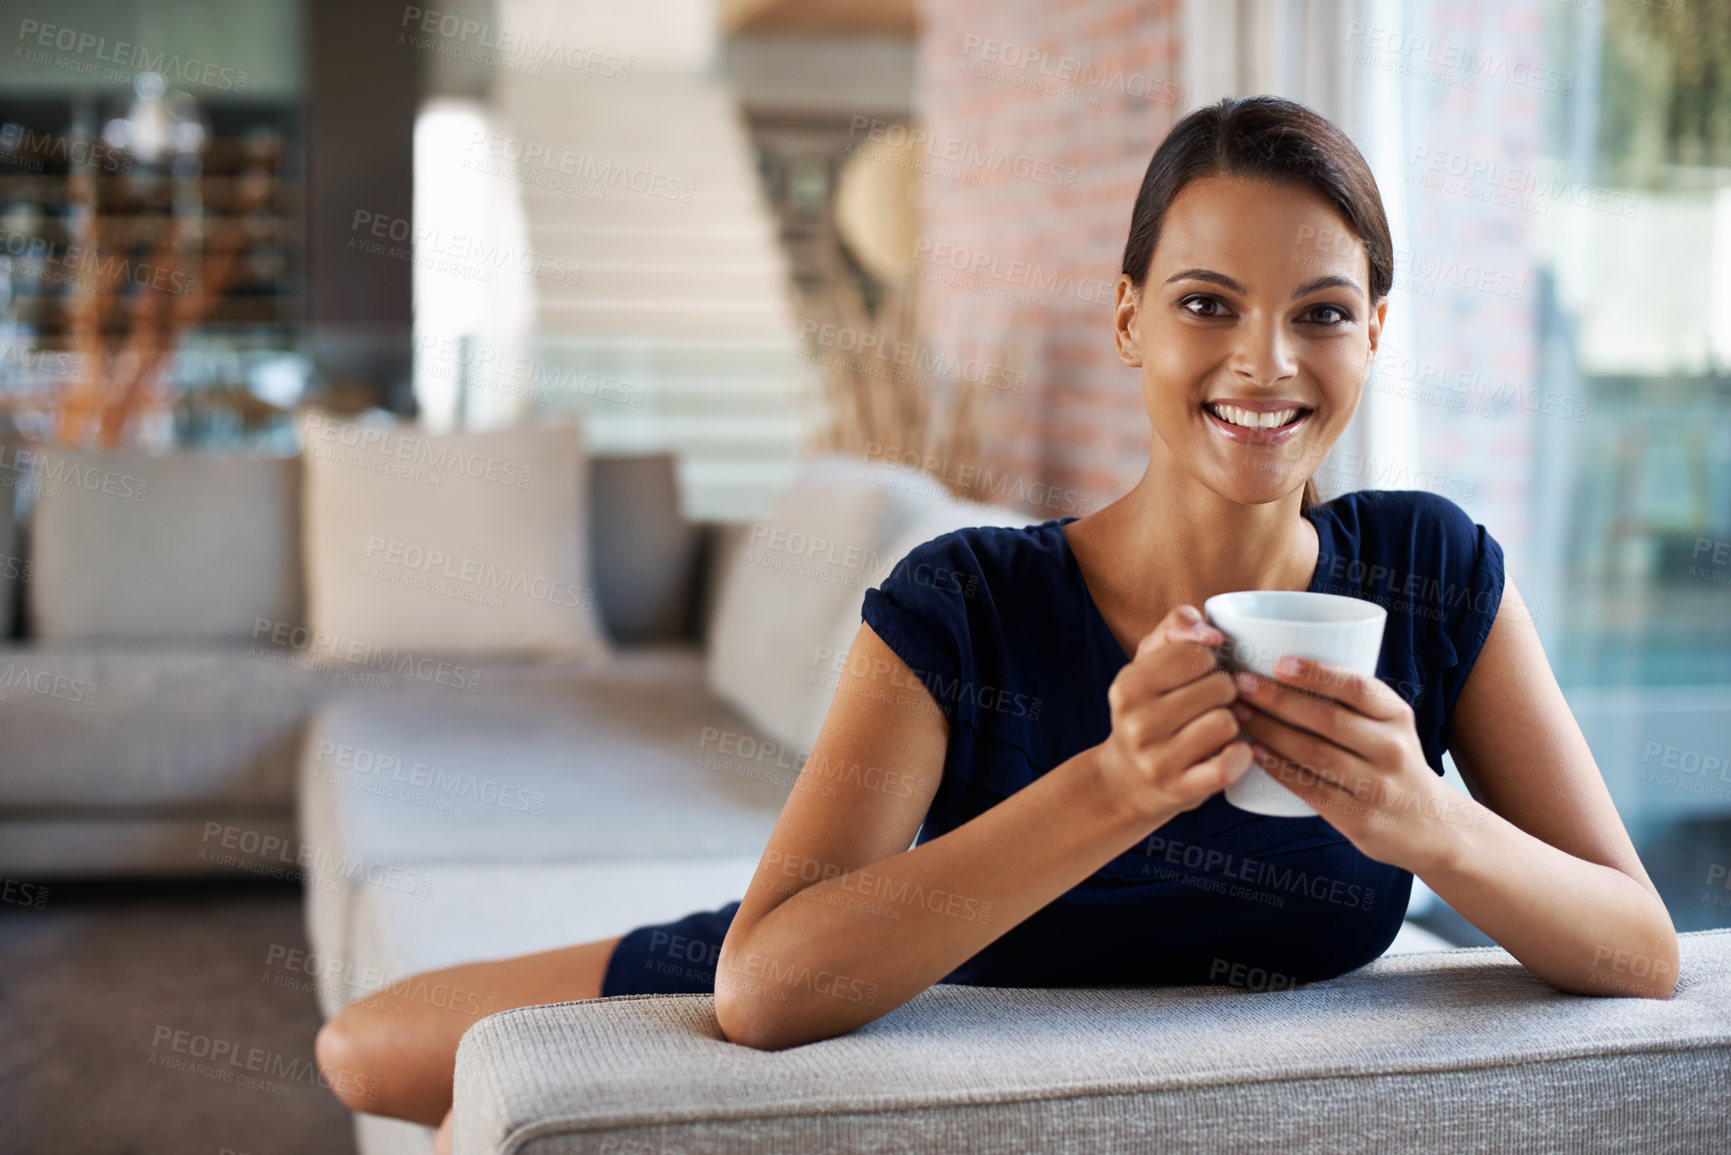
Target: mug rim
pixel 1367 611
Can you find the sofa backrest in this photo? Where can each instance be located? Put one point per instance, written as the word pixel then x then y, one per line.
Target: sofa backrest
pixel 943 516
pixel 199 547
pixel 188 546
pixel 791 586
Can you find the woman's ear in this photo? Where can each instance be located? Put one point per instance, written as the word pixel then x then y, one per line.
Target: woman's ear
pixel 1374 329
pixel 1124 319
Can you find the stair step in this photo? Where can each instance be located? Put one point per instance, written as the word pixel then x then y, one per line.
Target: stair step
pixel 721 286
pixel 668 103
pixel 686 255
pixel 570 153
pixel 640 212
pixel 693 196
pixel 679 357
pixel 732 435
pixel 691 248
pixel 676 318
pixel 725 392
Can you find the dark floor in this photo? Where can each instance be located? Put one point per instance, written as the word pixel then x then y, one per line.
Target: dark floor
pixel 132 1016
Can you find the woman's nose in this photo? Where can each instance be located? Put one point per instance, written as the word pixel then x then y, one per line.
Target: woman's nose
pixel 1263 353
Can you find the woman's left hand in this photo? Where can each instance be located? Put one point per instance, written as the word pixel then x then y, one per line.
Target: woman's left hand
pixel 1346 744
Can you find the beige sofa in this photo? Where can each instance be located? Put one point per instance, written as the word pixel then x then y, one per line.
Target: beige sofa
pixel 157 685
pixel 1415 1053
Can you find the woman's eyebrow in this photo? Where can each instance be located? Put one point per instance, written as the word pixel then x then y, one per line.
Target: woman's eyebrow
pixel 1328 282
pixel 1206 275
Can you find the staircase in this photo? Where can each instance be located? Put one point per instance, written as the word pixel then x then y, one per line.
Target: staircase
pixel 680 324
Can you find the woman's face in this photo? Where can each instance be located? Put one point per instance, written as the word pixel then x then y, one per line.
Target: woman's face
pixel 1254 331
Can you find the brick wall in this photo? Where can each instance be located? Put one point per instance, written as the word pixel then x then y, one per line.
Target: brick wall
pixel 1042 116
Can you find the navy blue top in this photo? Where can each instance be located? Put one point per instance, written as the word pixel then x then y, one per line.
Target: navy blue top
pixel 1019 658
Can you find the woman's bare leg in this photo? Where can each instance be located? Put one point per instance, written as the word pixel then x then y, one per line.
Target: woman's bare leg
pixel 395 1052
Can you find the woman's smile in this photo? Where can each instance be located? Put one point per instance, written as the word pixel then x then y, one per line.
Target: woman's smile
pixel 1248 422
pixel 1254 349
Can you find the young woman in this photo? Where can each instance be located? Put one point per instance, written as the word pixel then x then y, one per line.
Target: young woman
pixel 1066 713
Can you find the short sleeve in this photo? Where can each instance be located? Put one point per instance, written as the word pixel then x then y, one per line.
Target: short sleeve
pixel 921 612
pixel 1478 564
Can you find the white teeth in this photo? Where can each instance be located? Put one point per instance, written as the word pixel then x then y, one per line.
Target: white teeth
pixel 1233 415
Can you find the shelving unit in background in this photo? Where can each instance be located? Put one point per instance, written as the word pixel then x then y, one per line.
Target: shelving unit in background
pixel 137 294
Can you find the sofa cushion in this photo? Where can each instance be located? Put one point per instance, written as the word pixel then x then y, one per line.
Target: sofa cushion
pixel 134 842
pixel 185 546
pixel 631 760
pixel 940 517
pixel 783 585
pixel 784 581
pixel 1462 1050
pixel 94 727
pixel 466 543
pixel 383 1135
pixel 475 911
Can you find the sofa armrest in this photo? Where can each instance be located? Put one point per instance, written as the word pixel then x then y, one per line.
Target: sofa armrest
pixel 1446 1051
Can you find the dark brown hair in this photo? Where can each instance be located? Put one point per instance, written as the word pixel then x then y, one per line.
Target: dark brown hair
pixel 1263 138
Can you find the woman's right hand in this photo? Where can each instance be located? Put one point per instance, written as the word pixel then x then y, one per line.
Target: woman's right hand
pixel 1171 716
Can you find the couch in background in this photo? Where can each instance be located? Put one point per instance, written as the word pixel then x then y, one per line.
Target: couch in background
pixel 133 711
pixel 157 678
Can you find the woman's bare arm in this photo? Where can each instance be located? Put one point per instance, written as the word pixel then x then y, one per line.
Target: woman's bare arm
pixel 843 922
pixel 1543 865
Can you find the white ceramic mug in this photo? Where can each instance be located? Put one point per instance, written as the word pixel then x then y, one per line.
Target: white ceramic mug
pixel 1261 627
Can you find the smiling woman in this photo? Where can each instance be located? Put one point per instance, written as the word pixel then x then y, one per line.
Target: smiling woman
pixel 1085 840
pixel 1207 196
